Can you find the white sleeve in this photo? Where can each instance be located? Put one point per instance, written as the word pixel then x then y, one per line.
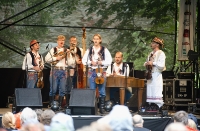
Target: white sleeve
pixel 108 58
pixel 160 63
pixel 108 71
pixel 27 62
pixel 49 57
pixel 86 58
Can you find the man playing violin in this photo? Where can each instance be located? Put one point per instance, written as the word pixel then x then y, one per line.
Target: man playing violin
pixel 119 68
pixel 97 58
pixel 73 60
pixel 58 74
pixel 33 63
pixel 156 60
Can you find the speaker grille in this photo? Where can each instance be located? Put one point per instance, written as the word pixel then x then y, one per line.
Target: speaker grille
pixel 83 97
pixel 28 97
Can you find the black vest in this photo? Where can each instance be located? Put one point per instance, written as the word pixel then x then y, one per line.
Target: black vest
pixel 101 52
pixel 32 56
pixel 123 68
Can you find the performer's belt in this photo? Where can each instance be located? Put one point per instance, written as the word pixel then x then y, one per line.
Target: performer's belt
pixel 32 72
pixel 104 69
pixel 59 68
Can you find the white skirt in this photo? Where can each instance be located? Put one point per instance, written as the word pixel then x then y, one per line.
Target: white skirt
pixel 155 88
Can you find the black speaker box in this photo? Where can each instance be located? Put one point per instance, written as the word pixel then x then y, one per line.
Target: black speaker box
pixel 28 97
pixel 83 102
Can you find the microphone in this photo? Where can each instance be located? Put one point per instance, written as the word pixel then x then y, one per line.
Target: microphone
pixel 91 41
pixel 47 46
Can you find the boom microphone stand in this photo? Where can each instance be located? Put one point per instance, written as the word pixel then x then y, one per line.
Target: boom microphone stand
pixel 26 70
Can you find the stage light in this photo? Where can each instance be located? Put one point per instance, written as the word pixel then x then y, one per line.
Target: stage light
pixel 54 105
pixel 164 113
pixel 68 111
pixel 109 105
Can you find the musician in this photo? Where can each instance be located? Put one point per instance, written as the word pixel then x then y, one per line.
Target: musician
pixel 97 57
pixel 58 74
pixel 73 59
pixel 33 63
pixel 119 68
pixel 156 59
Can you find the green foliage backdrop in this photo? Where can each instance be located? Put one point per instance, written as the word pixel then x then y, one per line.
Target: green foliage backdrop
pixel 125 24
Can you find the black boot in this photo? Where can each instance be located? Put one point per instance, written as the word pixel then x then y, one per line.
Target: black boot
pixel 67 100
pixel 101 105
pixel 51 99
pixel 60 100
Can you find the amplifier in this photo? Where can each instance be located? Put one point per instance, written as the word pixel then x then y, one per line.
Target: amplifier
pixel 177 91
pixel 186 75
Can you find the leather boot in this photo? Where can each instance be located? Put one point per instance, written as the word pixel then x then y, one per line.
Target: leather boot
pixel 51 99
pixel 101 105
pixel 60 100
pixel 67 100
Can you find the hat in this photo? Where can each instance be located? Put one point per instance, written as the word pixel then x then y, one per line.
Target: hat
pixel 33 42
pixel 158 41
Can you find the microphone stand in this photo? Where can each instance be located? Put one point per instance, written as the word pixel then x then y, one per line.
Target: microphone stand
pixel 87 70
pixel 26 69
pixel 52 69
pixel 125 80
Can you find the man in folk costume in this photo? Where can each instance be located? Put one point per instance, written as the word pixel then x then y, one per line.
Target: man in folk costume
pixel 119 68
pixel 33 63
pixel 58 74
pixel 156 60
pixel 97 57
pixel 73 60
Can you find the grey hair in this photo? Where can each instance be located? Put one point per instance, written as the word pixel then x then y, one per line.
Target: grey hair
pixel 137 121
pixel 28 114
pixel 181 116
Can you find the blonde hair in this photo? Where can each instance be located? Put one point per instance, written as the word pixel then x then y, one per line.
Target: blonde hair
pixel 61 37
pixel 98 35
pixel 8 120
pixel 192 124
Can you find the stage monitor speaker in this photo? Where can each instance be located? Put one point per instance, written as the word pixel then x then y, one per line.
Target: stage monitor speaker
pixel 83 102
pixel 28 97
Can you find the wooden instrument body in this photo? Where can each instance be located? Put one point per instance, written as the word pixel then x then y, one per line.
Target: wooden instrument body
pixel 80 76
pixel 122 82
pixel 99 79
pixel 63 54
pixel 40 82
pixel 148 72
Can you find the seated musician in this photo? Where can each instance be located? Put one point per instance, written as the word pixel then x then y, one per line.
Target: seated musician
pixel 119 68
pixel 97 58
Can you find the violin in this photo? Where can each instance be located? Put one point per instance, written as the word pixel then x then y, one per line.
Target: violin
pixel 148 73
pixel 99 79
pixel 63 54
pixel 40 82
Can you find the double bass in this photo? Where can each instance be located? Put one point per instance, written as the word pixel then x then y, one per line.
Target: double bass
pixel 80 67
